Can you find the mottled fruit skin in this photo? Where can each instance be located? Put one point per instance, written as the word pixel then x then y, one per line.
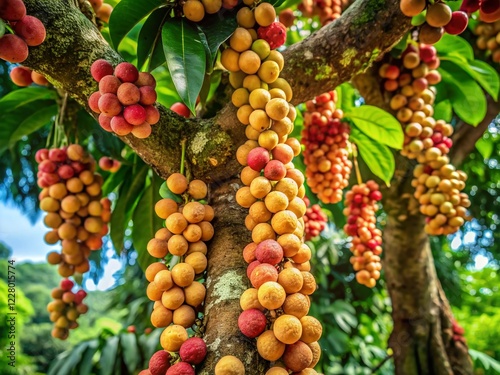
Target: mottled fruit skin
pixel 31 29
pixel 126 72
pixel 252 323
pixel 258 158
pixel 159 363
pixel 181 368
pixel 12 10
pixel 13 48
pixel 274 34
pixel 193 350
pixel 101 68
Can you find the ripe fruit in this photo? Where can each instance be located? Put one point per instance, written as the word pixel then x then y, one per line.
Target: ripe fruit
pixel 30 29
pixel 411 8
pixel 159 363
pixel 193 351
pixel 13 48
pixel 229 365
pixel 252 322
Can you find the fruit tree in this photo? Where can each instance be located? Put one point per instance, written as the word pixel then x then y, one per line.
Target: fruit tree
pixel 213 120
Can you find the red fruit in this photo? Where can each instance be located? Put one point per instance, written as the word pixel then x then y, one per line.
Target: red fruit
pixel 109 105
pixel 31 29
pixel 79 296
pixel 263 273
pixel 47 166
pixel 105 122
pixel 93 102
pixel 258 158
pixel 21 76
pixel 145 372
pixel 469 6
pixel 457 24
pixel 286 17
pixel 65 172
pixel 105 163
pixel 274 34
pixel 115 167
pixel 275 170
pixel 152 114
pixel 39 79
pixel 489 17
pixel 193 350
pixel 252 323
pixel 109 84
pixel 251 267
pixel 120 126
pixel 131 329
pixel 181 368
pixel 12 10
pixel 13 49
pixel 142 131
pixel 159 363
pixel 135 114
pixel 148 95
pixel 427 53
pixel 269 251
pixel 145 79
pixel 299 350
pixel 41 155
pixel 392 72
pixel 57 155
pixel 101 68
pixel 126 72
pixel 128 93
pixel 66 284
pixel 181 109
pixel 489 6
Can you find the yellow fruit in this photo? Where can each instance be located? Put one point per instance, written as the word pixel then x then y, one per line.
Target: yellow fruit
pixel 271 295
pixel 229 365
pixel 287 329
pixel 269 347
pixel 173 337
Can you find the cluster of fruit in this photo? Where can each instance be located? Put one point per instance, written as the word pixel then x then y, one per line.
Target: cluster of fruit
pixel 109 165
pixel 28 31
pixel 125 100
pixel 489 39
pixel 315 220
pixel 326 140
pixel 66 308
pixel 195 10
pixel 489 10
pixel 101 9
pixel 23 77
pixel 275 308
pixel 438 185
pixel 326 10
pixel 439 18
pixel 71 196
pixel 366 246
pixel 409 81
pixel 177 295
pixel 191 353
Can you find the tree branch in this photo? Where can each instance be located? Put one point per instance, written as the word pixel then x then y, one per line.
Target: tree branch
pixel 319 63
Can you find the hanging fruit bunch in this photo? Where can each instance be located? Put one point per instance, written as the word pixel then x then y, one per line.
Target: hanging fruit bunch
pixel 102 10
pixel 28 31
pixel 438 19
pixel 489 39
pixel 125 100
pixel 326 10
pixel 315 220
pixel 408 82
pixel 326 154
pixel 275 308
pixel 66 308
pixel 489 10
pixel 175 288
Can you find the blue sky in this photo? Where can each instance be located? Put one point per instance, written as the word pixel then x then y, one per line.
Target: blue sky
pixel 27 244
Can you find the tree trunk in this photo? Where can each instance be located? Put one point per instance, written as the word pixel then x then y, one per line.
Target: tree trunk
pixel 422 336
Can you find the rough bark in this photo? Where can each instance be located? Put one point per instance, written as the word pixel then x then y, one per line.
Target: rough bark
pixel 422 337
pixel 226 282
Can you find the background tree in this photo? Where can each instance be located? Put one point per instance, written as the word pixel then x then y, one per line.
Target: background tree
pixel 421 340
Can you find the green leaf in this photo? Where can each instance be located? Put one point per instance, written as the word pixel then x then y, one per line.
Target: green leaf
pixel 130 351
pixel 443 111
pixel 11 120
pixel 186 59
pixel 485 147
pixel 275 3
pixel 108 355
pixel 33 122
pixel 86 362
pixel 127 14
pixel 150 37
pixel 455 46
pixel 19 98
pixel 115 179
pixel 378 157
pixel 146 222
pixel 72 361
pixel 346 96
pixel 466 96
pixel 130 191
pixel 2 28
pixel 377 124
pixel 486 76
pixel 486 361
pixel 216 31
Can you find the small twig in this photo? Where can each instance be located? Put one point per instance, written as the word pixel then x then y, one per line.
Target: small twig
pixel 379 366
pixel 356 166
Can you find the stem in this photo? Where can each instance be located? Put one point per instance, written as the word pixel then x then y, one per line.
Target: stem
pixel 379 366
pixel 183 154
pixel 356 166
